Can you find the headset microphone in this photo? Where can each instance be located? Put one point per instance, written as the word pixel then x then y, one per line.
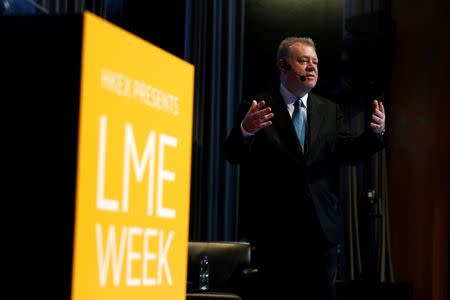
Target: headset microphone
pixel 288 67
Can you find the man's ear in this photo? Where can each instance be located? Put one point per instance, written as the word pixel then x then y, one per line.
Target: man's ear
pixel 283 65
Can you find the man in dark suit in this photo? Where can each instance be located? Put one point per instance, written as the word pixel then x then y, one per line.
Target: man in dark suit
pixel 289 144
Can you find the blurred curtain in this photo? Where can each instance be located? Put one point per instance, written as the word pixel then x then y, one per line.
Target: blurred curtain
pixel 366 68
pixel 99 7
pixel 214 45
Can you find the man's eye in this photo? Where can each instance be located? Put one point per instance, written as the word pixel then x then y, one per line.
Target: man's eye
pixel 303 62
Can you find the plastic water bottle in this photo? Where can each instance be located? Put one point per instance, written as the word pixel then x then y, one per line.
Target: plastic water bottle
pixel 204 273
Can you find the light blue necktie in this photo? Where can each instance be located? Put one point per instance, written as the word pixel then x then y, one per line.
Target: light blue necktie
pixel 299 122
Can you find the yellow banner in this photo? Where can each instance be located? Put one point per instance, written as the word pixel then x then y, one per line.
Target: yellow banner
pixel 133 172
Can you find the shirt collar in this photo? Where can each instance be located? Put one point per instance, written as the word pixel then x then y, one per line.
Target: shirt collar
pixel 290 98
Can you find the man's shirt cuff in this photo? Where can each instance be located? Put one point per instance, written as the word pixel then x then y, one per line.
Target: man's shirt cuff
pixel 245 134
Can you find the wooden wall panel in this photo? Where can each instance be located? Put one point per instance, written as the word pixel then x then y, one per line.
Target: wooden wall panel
pixel 418 154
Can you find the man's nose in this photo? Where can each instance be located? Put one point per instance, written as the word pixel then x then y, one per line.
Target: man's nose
pixel 311 66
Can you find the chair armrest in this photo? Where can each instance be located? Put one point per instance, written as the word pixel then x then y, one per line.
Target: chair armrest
pixel 249 272
pixel 246 277
pixel 246 281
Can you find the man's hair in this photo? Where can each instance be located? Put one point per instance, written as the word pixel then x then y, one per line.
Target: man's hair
pixel 283 49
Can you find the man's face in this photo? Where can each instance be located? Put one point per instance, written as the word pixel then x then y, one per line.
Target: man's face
pixel 304 62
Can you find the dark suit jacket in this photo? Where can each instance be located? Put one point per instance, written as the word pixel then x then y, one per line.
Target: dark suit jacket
pixel 290 194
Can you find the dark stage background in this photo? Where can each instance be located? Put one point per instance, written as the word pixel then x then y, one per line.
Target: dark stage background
pixel 233 45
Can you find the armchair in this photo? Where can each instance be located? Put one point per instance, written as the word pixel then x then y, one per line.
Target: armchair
pixel 231 275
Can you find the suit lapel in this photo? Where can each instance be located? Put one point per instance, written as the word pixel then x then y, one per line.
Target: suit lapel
pixel 283 125
pixel 284 128
pixel 315 119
